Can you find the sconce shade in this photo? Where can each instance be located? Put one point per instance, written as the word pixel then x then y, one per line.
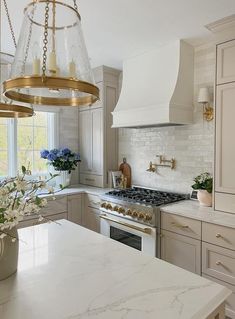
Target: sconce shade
pixel 203 95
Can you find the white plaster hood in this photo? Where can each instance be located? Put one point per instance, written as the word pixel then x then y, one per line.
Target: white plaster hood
pixel 157 88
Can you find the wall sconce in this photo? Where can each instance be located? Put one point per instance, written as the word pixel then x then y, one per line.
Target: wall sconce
pixel 204 99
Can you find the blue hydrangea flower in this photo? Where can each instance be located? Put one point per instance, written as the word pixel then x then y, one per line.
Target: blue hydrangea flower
pixel 52 156
pixel 44 154
pixel 65 151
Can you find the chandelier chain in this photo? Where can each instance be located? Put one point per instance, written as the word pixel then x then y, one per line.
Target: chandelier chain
pixel 9 22
pixel 28 43
pixel 75 5
pixel 45 40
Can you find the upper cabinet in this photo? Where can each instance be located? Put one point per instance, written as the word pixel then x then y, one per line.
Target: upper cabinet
pixel 226 62
pixel 225 128
pixel 98 141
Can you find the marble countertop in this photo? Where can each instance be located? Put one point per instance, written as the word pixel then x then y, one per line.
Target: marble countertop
pixel 75 189
pixel 192 209
pixel 68 272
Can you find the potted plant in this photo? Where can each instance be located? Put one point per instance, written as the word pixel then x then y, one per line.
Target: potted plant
pixel 64 161
pixel 204 184
pixel 18 198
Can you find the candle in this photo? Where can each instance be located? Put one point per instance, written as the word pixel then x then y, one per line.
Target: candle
pixel 72 69
pixel 52 62
pixel 36 66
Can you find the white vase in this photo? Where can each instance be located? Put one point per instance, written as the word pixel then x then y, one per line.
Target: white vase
pixel 9 254
pixel 63 178
pixel 204 198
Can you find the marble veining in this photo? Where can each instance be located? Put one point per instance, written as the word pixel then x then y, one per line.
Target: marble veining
pixel 192 209
pixel 68 272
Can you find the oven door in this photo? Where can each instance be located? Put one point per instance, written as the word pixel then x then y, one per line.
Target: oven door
pixel 132 234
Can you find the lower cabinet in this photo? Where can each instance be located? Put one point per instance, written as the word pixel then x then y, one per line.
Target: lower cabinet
pixel 92 219
pixel 75 208
pixel 181 251
pixel 91 212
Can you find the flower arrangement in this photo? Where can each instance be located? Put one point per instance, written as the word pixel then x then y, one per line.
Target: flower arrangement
pixel 18 198
pixel 62 159
pixel 203 181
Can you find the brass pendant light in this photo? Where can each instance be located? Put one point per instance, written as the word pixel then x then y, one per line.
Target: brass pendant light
pixel 7 109
pixel 51 65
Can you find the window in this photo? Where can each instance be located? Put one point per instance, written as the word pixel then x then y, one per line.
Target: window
pixel 21 141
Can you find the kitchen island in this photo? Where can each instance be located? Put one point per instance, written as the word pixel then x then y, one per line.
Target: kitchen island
pixel 68 272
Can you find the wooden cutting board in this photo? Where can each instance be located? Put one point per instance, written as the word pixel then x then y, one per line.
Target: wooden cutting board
pixel 126 171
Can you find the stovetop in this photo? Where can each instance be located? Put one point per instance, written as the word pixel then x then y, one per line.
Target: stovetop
pixel 146 196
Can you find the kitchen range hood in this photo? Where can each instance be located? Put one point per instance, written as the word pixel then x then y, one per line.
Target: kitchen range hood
pixel 157 88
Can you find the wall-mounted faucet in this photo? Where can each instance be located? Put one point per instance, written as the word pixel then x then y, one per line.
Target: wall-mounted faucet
pixel 162 163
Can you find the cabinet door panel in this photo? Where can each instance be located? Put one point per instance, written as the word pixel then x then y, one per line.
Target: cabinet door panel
pixel 182 251
pixel 97 141
pixel 92 219
pixel 85 141
pixel 75 208
pixel 226 62
pixel 225 143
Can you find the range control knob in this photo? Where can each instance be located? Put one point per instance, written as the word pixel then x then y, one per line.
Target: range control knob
pixel 121 210
pixel 140 215
pixel 134 213
pixel 115 208
pixel 104 205
pixel 129 212
pixel 147 217
pixel 109 206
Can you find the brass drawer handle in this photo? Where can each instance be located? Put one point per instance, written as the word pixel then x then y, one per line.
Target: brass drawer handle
pixel 179 225
pixel 218 263
pixel 218 235
pixel 89 179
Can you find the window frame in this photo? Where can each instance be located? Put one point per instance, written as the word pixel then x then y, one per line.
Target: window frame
pixel 53 139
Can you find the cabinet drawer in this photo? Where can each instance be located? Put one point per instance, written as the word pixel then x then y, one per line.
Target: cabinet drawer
pixel 93 180
pixel 225 202
pixel 181 225
pixel 218 235
pixel 218 262
pixel 59 205
pixel 92 201
pixel 230 301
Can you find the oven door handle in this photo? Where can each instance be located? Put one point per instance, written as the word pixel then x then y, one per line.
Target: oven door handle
pixel 143 230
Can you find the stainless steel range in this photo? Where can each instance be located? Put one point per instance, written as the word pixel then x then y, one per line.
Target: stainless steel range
pixel 132 216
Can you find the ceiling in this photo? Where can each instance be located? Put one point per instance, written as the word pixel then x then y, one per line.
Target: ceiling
pixel 117 29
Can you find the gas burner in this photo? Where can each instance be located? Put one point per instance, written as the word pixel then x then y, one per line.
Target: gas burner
pixel 147 196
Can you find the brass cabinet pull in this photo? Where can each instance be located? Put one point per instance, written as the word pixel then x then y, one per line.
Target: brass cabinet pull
pixel 179 225
pixel 89 179
pixel 218 263
pixel 218 235
pixel 143 230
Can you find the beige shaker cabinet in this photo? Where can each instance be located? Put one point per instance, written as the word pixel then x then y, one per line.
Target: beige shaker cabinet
pixel 75 208
pixel 181 251
pixel 226 62
pixel 181 241
pixel 98 141
pixel 225 129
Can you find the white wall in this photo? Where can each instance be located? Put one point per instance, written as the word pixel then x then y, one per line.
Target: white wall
pixel 191 145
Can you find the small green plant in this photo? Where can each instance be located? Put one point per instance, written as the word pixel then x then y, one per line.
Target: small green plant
pixel 203 181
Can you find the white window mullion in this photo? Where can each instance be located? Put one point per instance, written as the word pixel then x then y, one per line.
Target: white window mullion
pixel 12 147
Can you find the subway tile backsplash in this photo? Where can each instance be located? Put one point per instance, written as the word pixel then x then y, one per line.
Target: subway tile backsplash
pixel 191 145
